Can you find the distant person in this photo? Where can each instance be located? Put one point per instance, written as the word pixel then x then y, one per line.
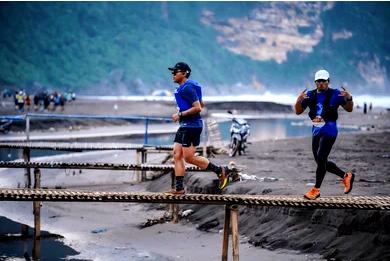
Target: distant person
pixel 16 94
pixel 20 99
pixel 36 102
pixel 62 102
pixel 56 100
pixel 365 108
pixel 46 101
pixel 370 107
pixel 68 97
pixel 28 102
pixel 323 103
pixel 188 97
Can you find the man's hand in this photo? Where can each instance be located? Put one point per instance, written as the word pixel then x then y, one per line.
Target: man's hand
pixel 175 117
pixel 345 93
pixel 302 96
pixel 349 105
pixel 298 106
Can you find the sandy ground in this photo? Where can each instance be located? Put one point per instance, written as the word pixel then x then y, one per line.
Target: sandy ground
pixel 122 240
pixel 289 165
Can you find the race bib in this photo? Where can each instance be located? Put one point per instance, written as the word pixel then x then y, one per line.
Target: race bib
pixel 318 122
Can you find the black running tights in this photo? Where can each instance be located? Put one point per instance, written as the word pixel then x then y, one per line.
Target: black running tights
pixel 322 145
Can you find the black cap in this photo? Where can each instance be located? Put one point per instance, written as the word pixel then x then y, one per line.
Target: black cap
pixel 180 66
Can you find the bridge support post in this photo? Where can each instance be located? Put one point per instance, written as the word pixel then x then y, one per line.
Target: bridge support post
pixel 234 225
pixel 174 208
pixel 36 250
pixel 141 159
pixel 230 227
pixel 27 184
pixel 27 173
pixel 144 161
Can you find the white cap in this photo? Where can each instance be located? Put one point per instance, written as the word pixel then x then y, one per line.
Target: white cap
pixel 321 75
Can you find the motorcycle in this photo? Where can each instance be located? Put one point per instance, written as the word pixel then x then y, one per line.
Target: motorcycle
pixel 239 132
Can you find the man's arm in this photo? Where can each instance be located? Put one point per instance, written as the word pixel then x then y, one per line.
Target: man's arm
pixel 196 108
pixel 298 104
pixel 348 106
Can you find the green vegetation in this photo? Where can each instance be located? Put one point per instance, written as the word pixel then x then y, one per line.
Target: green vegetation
pixel 77 45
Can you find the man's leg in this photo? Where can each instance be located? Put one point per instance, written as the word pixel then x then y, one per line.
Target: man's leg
pixel 179 166
pixel 189 156
pixel 204 163
pixel 191 139
pixel 326 143
pixel 314 192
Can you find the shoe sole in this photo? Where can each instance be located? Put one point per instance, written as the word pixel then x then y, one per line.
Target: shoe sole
pixel 351 184
pixel 312 198
pixel 173 193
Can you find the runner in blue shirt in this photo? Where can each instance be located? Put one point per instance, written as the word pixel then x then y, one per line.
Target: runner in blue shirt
pixel 189 101
pixel 323 103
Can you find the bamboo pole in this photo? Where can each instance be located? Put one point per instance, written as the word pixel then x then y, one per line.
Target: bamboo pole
pixel 36 251
pixel 235 239
pixel 226 232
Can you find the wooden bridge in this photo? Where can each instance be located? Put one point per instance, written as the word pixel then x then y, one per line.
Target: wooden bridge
pixel 231 202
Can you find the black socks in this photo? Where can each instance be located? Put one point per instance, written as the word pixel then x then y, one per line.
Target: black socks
pixel 179 183
pixel 214 168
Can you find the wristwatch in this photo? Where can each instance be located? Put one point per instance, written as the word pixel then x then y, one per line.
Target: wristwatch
pixel 180 114
pixel 349 99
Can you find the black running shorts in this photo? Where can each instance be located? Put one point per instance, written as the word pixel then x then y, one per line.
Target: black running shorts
pixel 188 136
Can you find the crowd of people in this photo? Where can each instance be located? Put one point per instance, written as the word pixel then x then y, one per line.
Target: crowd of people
pixel 42 101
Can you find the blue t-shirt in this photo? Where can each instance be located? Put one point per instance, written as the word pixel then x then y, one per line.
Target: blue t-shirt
pixel 185 95
pixel 336 100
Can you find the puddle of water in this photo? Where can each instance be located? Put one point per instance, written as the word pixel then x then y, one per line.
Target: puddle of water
pixel 14 247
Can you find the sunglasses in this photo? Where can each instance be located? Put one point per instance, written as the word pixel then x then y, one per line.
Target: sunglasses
pixel 321 81
pixel 175 72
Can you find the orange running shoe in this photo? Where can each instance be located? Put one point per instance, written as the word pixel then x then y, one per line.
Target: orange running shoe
pixel 348 179
pixel 312 194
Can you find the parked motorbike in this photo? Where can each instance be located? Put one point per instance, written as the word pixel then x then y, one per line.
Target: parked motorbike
pixel 239 132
